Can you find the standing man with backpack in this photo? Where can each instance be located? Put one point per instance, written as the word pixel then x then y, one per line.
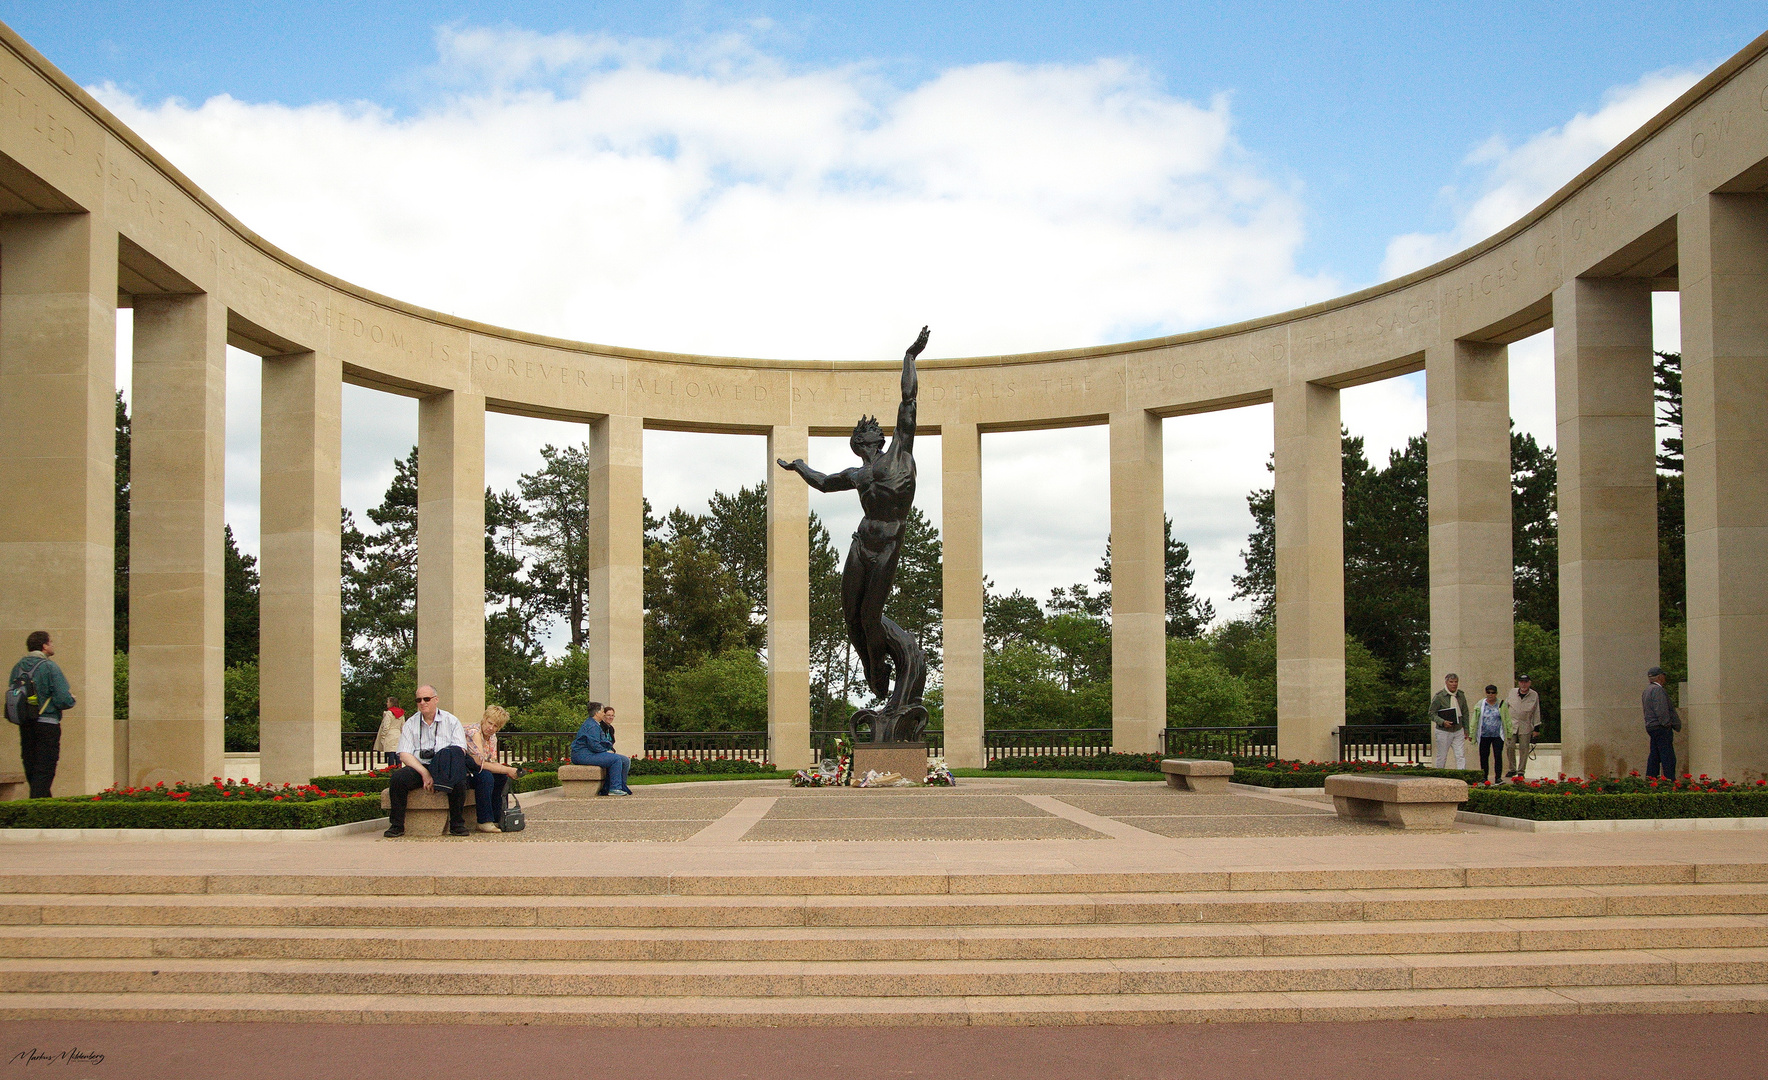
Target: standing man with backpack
pixel 36 693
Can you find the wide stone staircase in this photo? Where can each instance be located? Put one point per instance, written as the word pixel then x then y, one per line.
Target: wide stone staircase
pixel 895 949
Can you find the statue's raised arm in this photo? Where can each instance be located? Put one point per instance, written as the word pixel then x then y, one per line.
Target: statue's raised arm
pixel 905 413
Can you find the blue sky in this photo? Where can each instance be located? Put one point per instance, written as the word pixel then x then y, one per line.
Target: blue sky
pixel 786 179
pixel 1370 107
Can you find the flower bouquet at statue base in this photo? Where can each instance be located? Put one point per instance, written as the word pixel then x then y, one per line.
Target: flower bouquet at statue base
pixel 834 770
pixel 938 775
pixel 874 778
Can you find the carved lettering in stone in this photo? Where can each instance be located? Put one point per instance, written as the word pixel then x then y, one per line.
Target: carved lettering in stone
pixel 40 116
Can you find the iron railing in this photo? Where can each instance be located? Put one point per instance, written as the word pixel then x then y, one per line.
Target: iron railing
pixel 1407 744
pixel 1000 743
pixel 707 745
pixel 512 747
pixel 1258 740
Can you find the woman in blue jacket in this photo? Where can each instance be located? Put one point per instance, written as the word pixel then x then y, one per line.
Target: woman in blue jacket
pixel 594 745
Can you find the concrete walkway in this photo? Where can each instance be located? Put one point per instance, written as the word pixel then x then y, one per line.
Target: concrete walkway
pixel 766 827
pixel 1697 1047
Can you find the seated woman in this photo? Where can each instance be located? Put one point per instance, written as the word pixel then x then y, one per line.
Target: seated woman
pixel 594 745
pixel 493 777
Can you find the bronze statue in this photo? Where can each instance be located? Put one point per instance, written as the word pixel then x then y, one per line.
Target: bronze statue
pixel 885 480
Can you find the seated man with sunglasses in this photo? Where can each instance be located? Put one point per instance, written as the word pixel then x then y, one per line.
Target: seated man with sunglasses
pixel 433 748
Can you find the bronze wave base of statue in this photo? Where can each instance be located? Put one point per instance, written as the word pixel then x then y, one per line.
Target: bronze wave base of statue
pixel 895 668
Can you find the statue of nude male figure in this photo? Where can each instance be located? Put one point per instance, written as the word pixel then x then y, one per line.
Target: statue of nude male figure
pixel 885 480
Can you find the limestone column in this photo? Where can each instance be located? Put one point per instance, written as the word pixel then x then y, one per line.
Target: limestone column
pixel 617 574
pixel 1138 584
pixel 58 306
pixel 961 551
pixel 179 443
pixel 1608 573
pixel 1722 242
pixel 451 550
pixel 1472 618
pixel 299 559
pixel 1309 501
pixel 788 602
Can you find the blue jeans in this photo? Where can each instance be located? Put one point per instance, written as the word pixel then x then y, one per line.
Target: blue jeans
pixel 615 765
pixel 488 789
pixel 1662 759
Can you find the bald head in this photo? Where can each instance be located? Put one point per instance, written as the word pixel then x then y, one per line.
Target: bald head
pixel 426 702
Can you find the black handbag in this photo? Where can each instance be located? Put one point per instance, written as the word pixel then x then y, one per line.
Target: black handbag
pixel 513 819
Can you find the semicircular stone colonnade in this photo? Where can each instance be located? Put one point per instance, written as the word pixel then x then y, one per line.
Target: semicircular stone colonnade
pixel 91 218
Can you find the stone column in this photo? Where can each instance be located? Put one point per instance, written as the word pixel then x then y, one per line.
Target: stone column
pixel 1608 583
pixel 178 445
pixel 299 559
pixel 1138 584
pixel 1472 617
pixel 961 551
pixel 451 550
pixel 1310 570
pixel 617 574
pixel 58 309
pixel 1722 242
pixel 788 602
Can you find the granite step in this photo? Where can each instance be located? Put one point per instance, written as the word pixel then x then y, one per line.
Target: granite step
pixel 1002 1010
pixel 1058 942
pixel 920 978
pixel 917 884
pixel 1467 904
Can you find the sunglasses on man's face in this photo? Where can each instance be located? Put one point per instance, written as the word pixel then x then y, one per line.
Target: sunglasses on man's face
pixel 421 700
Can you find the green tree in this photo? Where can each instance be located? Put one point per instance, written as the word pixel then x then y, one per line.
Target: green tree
pixel 1537 656
pixel 1387 553
pixel 693 609
pixel 1534 524
pixel 380 598
pixel 1009 619
pixel 239 703
pixel 512 644
pixel 1672 527
pixel 736 529
pixel 1200 690
pixel 724 691
pixel 240 602
pixel 831 668
pixel 1187 615
pixel 120 580
pixel 556 502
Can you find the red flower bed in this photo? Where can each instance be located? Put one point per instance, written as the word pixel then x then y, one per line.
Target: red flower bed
pixel 218 790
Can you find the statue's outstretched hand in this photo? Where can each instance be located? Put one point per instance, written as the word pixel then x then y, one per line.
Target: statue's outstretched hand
pixel 793 465
pixel 920 343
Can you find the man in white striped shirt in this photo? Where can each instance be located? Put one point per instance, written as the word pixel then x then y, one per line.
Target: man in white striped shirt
pixel 433 752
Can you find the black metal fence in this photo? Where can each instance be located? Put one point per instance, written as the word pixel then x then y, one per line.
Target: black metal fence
pixel 1406 744
pixel 822 738
pixel 707 745
pixel 1249 741
pixel 512 746
pixel 1003 743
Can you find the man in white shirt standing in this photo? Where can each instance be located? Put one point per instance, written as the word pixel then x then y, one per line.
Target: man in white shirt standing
pixel 433 753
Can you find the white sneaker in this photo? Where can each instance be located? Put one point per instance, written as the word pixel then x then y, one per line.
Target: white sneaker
pixel 620 793
pixel 489 826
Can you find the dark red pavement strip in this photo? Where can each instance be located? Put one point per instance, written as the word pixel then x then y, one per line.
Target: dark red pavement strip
pixel 1599 1047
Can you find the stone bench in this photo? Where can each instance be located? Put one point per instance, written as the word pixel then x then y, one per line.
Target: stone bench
pixel 428 810
pixel 580 781
pixel 1426 803
pixel 1188 775
pixel 13 787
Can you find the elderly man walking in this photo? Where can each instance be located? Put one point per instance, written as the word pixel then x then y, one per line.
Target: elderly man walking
pixel 1449 723
pixel 1525 720
pixel 433 748
pixel 1661 725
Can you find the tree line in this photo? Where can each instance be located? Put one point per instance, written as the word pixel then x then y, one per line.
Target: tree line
pixel 1047 664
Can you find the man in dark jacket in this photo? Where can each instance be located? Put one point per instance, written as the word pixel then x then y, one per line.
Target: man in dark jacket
pixel 1661 725
pixel 39 742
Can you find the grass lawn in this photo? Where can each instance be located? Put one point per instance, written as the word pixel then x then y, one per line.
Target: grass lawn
pixel 1060 774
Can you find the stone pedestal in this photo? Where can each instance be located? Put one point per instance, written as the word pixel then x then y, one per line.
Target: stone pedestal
pixel 1185 774
pixel 426 812
pixel 580 781
pixel 907 758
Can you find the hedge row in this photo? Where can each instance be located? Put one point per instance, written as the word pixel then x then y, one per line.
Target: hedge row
pixel 1540 807
pixel 83 813
pixel 1289 778
pixel 1078 763
pixel 700 767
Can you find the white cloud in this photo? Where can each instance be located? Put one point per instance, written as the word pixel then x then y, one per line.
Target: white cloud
pixel 1512 180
